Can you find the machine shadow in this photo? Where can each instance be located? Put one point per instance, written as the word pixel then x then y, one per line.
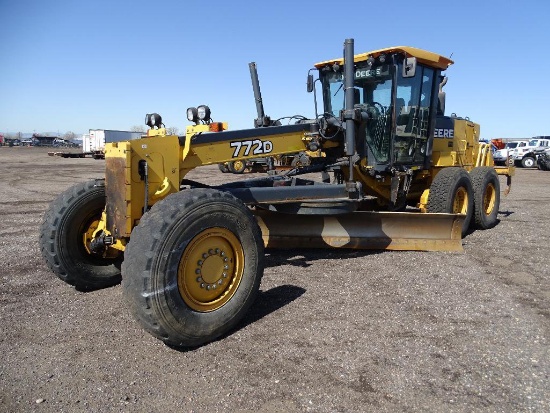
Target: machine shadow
pixel 266 302
pixel 505 214
pixel 304 257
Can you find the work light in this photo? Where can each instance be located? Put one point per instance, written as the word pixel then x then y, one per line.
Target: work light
pixel 203 112
pixel 192 115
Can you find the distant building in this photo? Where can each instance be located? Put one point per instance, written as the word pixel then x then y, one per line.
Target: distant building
pixel 44 140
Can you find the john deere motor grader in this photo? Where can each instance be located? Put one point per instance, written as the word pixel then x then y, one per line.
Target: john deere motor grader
pixel 191 255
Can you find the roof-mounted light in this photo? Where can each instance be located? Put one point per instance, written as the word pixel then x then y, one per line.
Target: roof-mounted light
pixel 203 113
pixel 192 115
pixel 153 120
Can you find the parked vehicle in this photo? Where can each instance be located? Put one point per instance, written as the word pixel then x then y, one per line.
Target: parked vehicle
pixel 194 264
pixel 525 156
pixel 501 156
pixel 94 142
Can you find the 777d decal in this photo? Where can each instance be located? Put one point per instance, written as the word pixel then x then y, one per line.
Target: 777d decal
pixel 256 146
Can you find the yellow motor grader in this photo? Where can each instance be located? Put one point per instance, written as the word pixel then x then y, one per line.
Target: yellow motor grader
pixel 393 173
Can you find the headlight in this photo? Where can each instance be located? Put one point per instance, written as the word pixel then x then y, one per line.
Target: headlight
pixel 203 112
pixel 192 115
pixel 153 119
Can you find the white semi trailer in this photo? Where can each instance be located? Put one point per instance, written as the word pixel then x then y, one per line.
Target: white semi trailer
pixel 94 142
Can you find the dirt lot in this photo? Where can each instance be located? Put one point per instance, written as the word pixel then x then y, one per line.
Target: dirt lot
pixel 332 331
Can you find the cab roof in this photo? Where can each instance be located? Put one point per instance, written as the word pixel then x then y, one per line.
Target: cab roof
pixel 423 56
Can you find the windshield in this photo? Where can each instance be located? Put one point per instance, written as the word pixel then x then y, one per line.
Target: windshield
pixel 371 85
pixel 407 118
pixel 511 145
pixel 373 93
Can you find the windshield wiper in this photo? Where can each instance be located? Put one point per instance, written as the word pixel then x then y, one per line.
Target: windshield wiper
pixel 338 90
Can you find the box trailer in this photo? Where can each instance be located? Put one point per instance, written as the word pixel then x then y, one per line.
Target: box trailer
pixel 94 142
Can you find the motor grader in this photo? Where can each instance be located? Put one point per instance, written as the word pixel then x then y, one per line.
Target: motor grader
pixel 391 172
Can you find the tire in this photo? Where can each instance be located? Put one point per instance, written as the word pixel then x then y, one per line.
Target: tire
pixel 543 162
pixel 223 167
pixel 451 192
pixel 486 197
pixel 164 278
pixel 237 167
pixel 70 216
pixel 528 162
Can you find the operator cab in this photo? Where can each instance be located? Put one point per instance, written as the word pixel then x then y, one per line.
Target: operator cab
pixel 398 90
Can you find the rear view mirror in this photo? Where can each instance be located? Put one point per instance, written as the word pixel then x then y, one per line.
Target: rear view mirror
pixel 309 83
pixel 409 67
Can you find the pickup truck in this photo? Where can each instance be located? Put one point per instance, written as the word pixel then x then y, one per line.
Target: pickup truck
pixel 501 156
pixel 525 156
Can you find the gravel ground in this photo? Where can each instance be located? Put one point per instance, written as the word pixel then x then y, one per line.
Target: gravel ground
pixel 332 331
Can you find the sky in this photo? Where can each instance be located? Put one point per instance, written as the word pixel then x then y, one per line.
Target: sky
pixel 79 65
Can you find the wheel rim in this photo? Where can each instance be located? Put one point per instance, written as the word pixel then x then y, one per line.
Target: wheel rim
pixel 88 231
pixel 489 199
pixel 238 165
pixel 460 203
pixel 211 269
pixel 529 163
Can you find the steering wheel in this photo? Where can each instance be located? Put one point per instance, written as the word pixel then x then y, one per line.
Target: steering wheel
pixel 379 107
pixel 375 110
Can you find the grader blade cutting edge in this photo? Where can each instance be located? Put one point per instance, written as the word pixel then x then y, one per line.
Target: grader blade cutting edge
pixel 363 230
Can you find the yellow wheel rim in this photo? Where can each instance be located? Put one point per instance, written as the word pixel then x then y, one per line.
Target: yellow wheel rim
pixel 210 269
pixel 460 204
pixel 489 199
pixel 88 236
pixel 88 233
pixel 238 165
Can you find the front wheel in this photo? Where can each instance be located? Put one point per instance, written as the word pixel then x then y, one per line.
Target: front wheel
pixel 193 266
pixel 486 196
pixel 66 234
pixel 451 192
pixel 528 162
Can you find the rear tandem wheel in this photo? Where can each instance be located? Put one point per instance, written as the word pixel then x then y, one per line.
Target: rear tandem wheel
pixel 193 266
pixel 451 192
pixel 237 167
pixel 486 196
